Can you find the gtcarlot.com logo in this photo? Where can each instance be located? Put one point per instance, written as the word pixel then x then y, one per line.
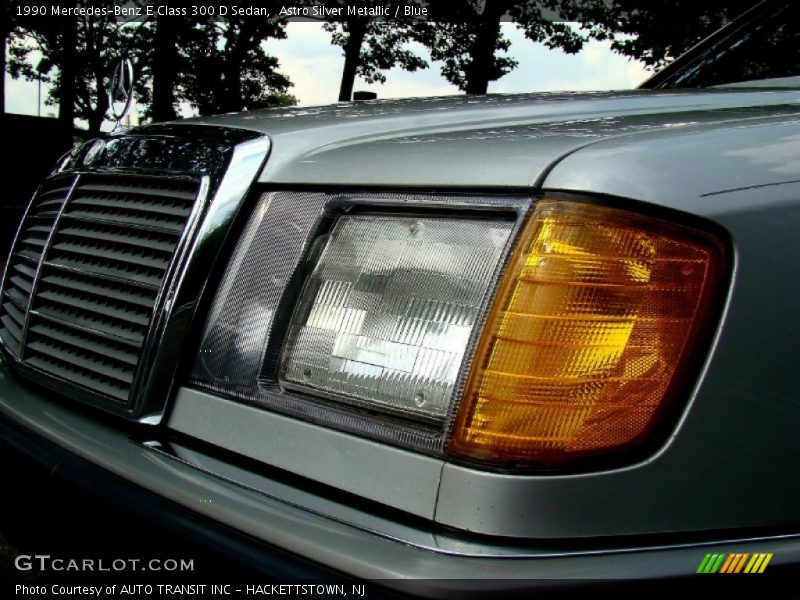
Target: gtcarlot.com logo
pixel 45 562
pixel 734 563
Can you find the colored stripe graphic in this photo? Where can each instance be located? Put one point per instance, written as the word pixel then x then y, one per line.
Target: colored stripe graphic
pixel 710 563
pixel 715 565
pixel 734 563
pixel 754 563
pixel 703 563
pixel 740 563
pixel 728 562
pixel 758 563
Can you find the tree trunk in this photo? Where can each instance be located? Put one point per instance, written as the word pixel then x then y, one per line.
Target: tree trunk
pixel 97 114
pixel 479 72
pixel 3 64
pixel 95 122
pixel 232 100
pixel 165 70
pixel 352 56
pixel 67 87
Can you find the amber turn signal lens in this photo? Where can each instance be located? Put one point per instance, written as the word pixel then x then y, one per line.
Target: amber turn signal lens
pixel 592 325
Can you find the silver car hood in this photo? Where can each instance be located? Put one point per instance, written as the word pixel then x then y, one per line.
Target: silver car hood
pixel 471 142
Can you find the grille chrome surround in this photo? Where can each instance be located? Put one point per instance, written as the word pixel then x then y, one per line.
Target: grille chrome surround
pixel 86 275
pixel 220 164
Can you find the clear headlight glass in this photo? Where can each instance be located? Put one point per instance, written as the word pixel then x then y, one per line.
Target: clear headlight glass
pixel 386 315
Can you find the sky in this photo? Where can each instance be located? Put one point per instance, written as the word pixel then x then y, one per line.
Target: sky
pixel 314 65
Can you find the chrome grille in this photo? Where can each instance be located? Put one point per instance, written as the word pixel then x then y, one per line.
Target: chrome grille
pixel 86 272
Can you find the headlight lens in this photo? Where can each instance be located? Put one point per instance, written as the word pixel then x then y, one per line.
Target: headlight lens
pixel 386 315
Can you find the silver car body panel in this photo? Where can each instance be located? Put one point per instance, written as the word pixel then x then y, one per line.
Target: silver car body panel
pixel 393 476
pixel 468 142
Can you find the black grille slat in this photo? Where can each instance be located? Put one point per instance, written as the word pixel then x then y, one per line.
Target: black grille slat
pixel 12 327
pixel 136 239
pixel 118 271
pixel 55 204
pixel 22 283
pixel 101 336
pixel 12 320
pixel 27 270
pixel 17 292
pixel 138 297
pixel 149 288
pixel 57 192
pixel 122 219
pixel 11 342
pixel 43 229
pixel 36 242
pixel 81 340
pixel 85 274
pixel 45 208
pixel 85 302
pixel 175 210
pixel 84 360
pixel 79 376
pixel 27 254
pixel 93 323
pixel 170 194
pixel 14 312
pixel 49 214
pixel 98 250
pixel 17 296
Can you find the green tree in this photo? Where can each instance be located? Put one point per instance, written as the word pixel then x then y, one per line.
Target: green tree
pixel 466 36
pixel 77 55
pixel 165 65
pixel 371 45
pixel 7 27
pixel 652 32
pixel 157 47
pixel 225 68
pixel 216 66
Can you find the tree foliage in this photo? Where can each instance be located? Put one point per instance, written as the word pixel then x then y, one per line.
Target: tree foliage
pixel 7 27
pixel 371 46
pixel 652 32
pixel 215 66
pixel 224 66
pixel 221 65
pixel 161 63
pixel 466 36
pixel 76 56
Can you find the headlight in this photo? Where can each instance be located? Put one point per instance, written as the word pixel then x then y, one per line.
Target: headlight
pixel 469 327
pixel 384 319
